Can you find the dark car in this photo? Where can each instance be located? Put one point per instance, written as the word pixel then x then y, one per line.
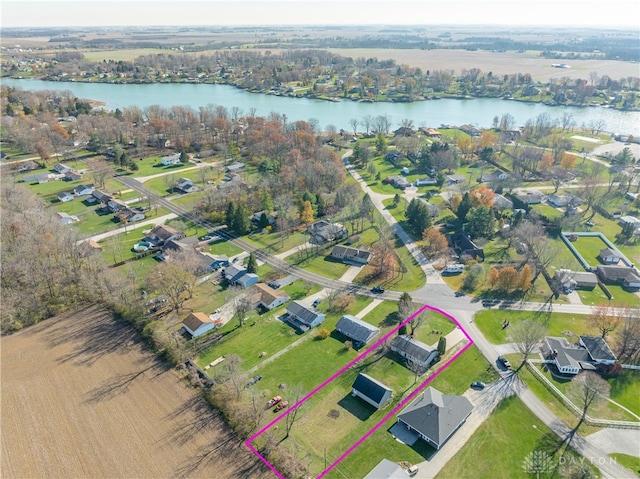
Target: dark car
pixel 377 289
pixel 477 385
pixel 505 362
pixel 317 302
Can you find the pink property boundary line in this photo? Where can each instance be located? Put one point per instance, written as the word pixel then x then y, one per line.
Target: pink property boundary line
pixel 341 371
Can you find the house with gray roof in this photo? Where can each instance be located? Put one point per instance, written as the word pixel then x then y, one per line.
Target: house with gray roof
pixel 587 354
pixel 570 280
pixel 238 276
pixel 356 329
pixel 609 256
pixel 370 390
pixel 434 416
pixel 624 275
pixel 387 469
pixel 348 254
pixel 324 232
pixel 413 350
pixel 303 317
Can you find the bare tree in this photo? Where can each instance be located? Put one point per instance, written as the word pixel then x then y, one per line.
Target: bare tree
pixel 231 374
pixel 354 124
pixel 605 318
pixel 295 394
pixel 175 278
pixel 586 390
pixel 527 335
pixel 628 337
pixel 416 368
pixel 242 305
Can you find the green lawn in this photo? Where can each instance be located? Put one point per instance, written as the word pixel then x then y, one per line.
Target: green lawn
pixel 625 389
pixel 225 247
pixel 92 223
pixel 630 462
pixel 490 321
pixel 161 185
pixel 275 243
pixel 506 439
pixel 322 265
pixel 589 247
pixel 151 166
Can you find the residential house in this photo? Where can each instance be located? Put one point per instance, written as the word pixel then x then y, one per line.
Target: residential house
pixel 160 234
pixel 413 350
pixel 510 135
pixel 431 132
pixel 268 298
pixel 196 324
pixel 65 196
pixel 234 167
pixel 370 390
pixel 348 254
pixel 115 205
pixel 530 198
pixel 425 182
pixel 303 317
pixel 609 256
pixel 101 196
pixel 61 168
pixel 255 217
pixel 356 329
pixel 471 130
pixel 238 276
pixel 624 220
pixel 494 176
pixel 455 179
pixel 185 185
pixel 403 131
pixel 398 182
pixel 625 276
pixel 393 156
pixel 324 232
pixel 502 203
pixel 387 469
pixel 32 165
pixel 465 248
pixel 173 159
pixel 66 218
pixel 588 353
pixel 561 201
pixel 434 416
pixel 72 176
pixel 84 190
pixel 201 262
pixel 39 177
pixel 129 215
pixel 89 247
pixel 570 280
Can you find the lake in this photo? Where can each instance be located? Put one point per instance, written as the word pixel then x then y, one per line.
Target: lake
pixel 478 112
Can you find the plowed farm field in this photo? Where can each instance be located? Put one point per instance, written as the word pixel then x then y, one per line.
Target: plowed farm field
pixel 83 397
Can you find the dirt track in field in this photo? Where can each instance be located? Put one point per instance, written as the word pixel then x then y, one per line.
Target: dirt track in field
pixel 83 398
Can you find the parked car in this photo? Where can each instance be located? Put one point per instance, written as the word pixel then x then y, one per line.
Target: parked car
pixel 477 385
pixel 505 362
pixel 254 380
pixel 281 405
pixel 316 302
pixel 412 470
pixel 377 289
pixel 274 400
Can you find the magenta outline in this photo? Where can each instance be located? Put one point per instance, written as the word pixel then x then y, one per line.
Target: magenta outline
pixel 341 371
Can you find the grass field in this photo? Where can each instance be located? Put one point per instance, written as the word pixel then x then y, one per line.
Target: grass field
pixel 83 393
pixel 496 438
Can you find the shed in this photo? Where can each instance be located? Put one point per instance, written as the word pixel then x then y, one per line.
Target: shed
pixel 356 329
pixel 370 390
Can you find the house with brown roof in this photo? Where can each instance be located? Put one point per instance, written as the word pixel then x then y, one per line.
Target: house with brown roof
pixel 348 254
pixel 609 256
pixel 161 234
pixel 264 296
pixel 196 324
pixel 623 275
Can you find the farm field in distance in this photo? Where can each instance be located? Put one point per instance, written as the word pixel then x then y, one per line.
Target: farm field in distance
pixel 110 408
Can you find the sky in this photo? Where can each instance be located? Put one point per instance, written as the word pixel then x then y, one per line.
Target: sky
pixel 50 13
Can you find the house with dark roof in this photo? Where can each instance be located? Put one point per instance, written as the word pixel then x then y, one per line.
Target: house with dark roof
pixel 413 350
pixel 160 234
pixel 185 185
pixel 588 353
pixel 233 167
pixel 129 215
pixel 268 298
pixel 196 324
pixel 387 469
pixel 356 329
pixel 434 416
pixel 65 196
pixel 101 196
pixel 609 256
pixel 571 280
pixel 61 168
pixel 84 190
pixel 370 390
pixel 623 275
pixel 303 317
pixel 324 232
pixel 465 248
pixel 348 254
pixel 530 198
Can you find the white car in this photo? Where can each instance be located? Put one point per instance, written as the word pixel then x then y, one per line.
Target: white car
pixel 413 470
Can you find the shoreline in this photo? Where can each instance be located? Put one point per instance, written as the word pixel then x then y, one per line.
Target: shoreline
pixel 99 104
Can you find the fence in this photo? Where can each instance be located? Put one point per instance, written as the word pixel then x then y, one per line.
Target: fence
pixel 572 407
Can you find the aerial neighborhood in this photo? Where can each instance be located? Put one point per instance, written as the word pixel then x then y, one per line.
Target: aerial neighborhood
pixel 374 300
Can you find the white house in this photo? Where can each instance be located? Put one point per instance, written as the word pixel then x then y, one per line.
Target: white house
pixel 196 324
pixel 267 297
pixel 185 185
pixel 66 218
pixel 173 159
pixel 303 317
pixel 413 350
pixel 65 196
pixel 84 190
pixel 370 390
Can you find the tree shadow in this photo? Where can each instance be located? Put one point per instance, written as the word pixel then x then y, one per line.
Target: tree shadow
pixel 120 384
pixel 357 407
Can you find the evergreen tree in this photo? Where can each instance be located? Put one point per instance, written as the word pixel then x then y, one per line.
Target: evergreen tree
pixel 320 205
pixel 442 346
pixel 230 214
pixel 264 221
pixel 183 157
pixel 418 216
pixel 481 223
pixel 463 208
pixel 252 264
pixel 267 202
pixel 381 144
pixel 241 221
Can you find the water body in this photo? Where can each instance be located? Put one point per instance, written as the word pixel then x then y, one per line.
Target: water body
pixel 478 112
